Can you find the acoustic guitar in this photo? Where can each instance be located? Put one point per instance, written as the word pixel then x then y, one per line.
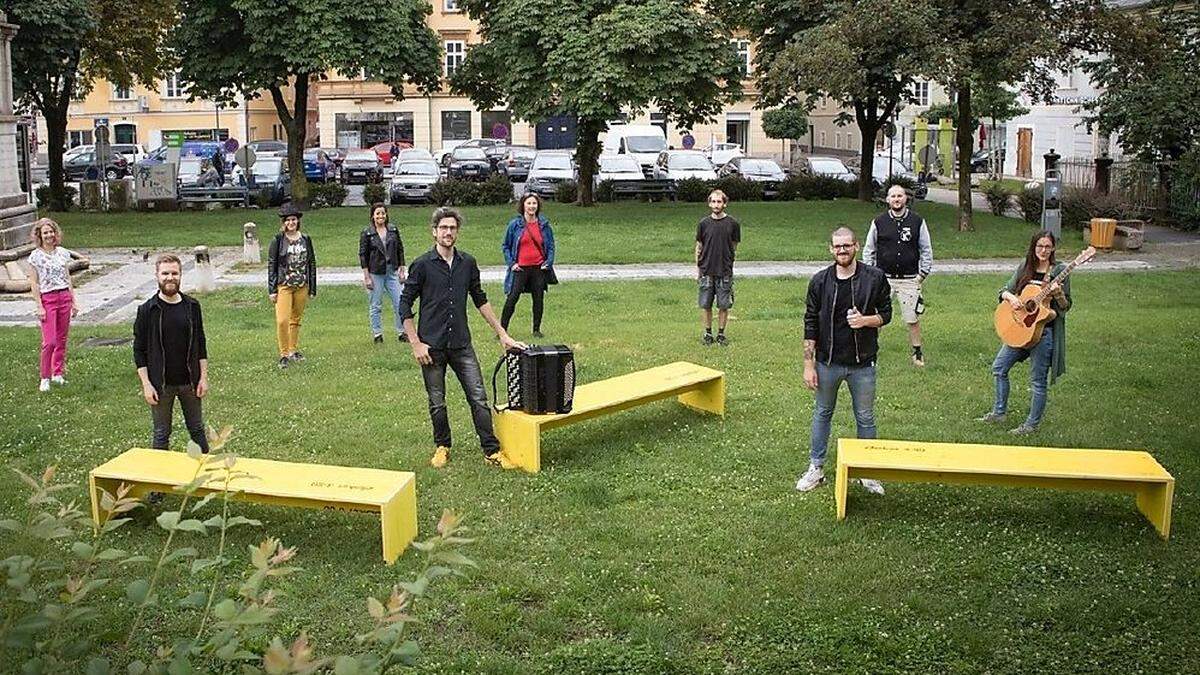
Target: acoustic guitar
pixel 1022 328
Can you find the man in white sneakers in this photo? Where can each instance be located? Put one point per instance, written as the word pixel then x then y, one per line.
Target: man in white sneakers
pixel 898 243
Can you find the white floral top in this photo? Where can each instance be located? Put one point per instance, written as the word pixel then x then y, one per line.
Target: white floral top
pixel 51 268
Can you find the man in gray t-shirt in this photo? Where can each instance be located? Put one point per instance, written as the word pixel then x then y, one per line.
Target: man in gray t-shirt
pixel 717 237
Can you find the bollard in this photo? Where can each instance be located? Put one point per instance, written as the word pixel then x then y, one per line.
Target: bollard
pixel 251 252
pixel 205 282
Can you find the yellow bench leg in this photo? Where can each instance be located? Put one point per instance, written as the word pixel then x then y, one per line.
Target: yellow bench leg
pixel 520 441
pixel 398 522
pixel 708 398
pixel 1155 502
pixel 840 488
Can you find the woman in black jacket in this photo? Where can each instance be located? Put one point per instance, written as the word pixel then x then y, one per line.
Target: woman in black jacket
pixel 381 256
pixel 291 279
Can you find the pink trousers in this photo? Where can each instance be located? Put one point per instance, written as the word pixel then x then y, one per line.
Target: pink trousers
pixel 54 331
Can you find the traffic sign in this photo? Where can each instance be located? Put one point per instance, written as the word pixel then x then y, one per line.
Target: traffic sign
pixel 231 145
pixel 101 122
pixel 689 141
pixel 174 139
pixel 244 157
pixel 101 134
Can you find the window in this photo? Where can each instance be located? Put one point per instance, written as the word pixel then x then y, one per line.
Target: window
pixel 83 137
pixel 823 138
pixel 921 92
pixel 450 6
pixel 122 93
pixel 173 86
pixel 455 51
pixel 837 139
pixel 743 52
pixel 456 125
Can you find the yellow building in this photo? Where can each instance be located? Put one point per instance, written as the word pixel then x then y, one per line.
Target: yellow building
pixel 358 113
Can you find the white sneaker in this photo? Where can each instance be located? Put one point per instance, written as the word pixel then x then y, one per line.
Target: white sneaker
pixel 872 486
pixel 58 379
pixel 44 385
pixel 812 479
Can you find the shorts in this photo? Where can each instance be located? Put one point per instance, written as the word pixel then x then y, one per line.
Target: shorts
pixel 719 289
pixel 908 295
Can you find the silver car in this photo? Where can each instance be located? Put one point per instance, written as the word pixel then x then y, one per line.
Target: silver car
pixel 413 180
pixel 549 169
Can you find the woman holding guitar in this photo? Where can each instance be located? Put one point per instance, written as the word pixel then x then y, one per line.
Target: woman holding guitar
pixel 1047 351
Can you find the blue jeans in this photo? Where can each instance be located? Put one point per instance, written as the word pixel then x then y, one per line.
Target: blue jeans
pixel 1042 357
pixel 861 381
pixel 380 283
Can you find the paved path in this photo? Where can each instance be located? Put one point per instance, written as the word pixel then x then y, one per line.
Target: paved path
pixel 113 297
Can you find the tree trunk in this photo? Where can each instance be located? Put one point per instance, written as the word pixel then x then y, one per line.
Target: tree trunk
pixel 866 160
pixel 963 139
pixel 586 154
pixel 296 125
pixel 56 139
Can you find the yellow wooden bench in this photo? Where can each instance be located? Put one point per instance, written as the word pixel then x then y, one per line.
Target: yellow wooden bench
pixel 694 386
pixel 391 494
pixel 1066 468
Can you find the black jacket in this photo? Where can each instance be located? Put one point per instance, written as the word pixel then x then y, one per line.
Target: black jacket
pixel 277 259
pixel 375 255
pixel 872 295
pixel 148 345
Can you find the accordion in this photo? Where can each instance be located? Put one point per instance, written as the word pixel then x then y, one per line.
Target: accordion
pixel 540 379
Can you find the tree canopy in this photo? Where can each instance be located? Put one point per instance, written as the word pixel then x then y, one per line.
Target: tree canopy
pixel 228 48
pixel 597 60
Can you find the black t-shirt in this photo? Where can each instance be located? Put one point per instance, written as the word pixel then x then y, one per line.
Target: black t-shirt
pixel 843 334
pixel 175 342
pixel 717 237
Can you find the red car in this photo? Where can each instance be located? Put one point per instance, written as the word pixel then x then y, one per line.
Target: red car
pixel 384 150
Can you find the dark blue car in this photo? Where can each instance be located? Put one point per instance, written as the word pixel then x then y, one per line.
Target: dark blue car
pixel 319 167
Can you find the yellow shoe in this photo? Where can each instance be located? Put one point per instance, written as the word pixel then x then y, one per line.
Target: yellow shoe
pixel 499 460
pixel 440 457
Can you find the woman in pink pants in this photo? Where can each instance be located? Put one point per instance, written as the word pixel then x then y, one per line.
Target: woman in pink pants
pixel 53 298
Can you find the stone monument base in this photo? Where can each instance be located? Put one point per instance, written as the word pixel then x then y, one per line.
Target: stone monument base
pixel 16 217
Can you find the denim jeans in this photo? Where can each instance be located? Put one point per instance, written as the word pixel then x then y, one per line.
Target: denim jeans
pixel 861 381
pixel 379 284
pixel 466 366
pixel 1042 356
pixel 160 415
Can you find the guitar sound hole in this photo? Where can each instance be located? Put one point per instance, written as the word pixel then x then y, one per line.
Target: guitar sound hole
pixel 1029 320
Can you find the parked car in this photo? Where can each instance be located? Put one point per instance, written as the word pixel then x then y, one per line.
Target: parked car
pixel 410 154
pixel 644 141
pixel 618 167
pixel 361 166
pixel 132 152
pixel 764 171
pixel 828 166
pixel 495 153
pixel 71 152
pixel 443 155
pixel 268 148
pixel 413 180
pixel 514 164
pixel 469 163
pixel 318 166
pixel 881 171
pixel 720 153
pixel 114 166
pixel 270 176
pixel 187 174
pixel 680 164
pixel 188 149
pixel 981 160
pixel 548 170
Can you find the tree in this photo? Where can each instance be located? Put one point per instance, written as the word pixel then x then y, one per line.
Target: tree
pixel 996 102
pixel 63 46
pixel 228 48
pixel 1148 79
pixel 786 123
pixel 865 58
pixel 596 60
pixel 986 43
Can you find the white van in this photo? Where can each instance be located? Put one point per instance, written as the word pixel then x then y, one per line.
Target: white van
pixel 643 141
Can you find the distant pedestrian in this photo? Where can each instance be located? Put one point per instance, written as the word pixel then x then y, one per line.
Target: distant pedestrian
pixel 898 243
pixel 171 355
pixel 717 238
pixel 528 249
pixel 53 298
pixel 291 279
pixel 381 256
pixel 393 153
pixel 218 163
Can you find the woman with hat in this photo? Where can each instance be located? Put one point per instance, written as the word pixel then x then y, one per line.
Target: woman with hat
pixel 291 279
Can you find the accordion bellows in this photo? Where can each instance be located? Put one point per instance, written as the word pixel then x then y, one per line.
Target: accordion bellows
pixel 540 379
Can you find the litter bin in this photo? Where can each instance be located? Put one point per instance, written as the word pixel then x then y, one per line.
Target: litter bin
pixel 1103 231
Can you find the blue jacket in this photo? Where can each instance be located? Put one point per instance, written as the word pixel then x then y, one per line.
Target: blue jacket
pixel 512 238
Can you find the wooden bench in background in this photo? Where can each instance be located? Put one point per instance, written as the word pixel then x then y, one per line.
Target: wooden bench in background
pixel 1134 472
pixel 391 494
pixel 695 386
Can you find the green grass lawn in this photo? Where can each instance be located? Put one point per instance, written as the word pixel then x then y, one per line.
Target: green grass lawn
pixel 662 540
pixel 624 232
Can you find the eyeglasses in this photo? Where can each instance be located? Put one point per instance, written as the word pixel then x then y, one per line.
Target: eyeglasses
pixel 447 228
pixel 843 247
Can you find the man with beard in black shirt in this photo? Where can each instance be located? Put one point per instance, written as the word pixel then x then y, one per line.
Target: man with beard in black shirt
pixel 847 304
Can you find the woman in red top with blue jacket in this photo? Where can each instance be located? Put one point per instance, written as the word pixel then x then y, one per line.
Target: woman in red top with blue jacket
pixel 529 253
